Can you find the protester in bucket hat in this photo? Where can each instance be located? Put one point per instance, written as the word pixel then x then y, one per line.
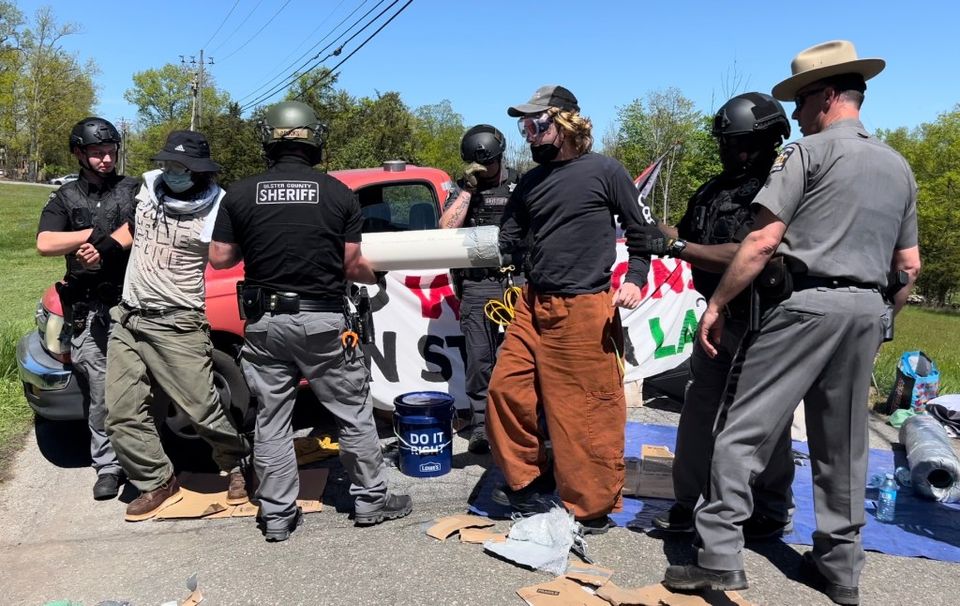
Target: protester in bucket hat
pixel 162 336
pixel 836 216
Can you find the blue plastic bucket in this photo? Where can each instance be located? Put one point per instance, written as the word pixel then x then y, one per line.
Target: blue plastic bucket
pixel 423 424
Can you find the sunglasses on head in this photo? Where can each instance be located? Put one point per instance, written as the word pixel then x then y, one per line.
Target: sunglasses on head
pixel 532 126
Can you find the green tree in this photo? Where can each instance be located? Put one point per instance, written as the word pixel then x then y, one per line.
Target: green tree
pixel 665 123
pixel 235 145
pixel 165 96
pixel 933 151
pixel 51 90
pixel 438 130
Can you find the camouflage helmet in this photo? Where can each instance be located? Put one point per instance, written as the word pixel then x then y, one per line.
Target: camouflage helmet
pixel 93 131
pixel 291 121
pixel 483 144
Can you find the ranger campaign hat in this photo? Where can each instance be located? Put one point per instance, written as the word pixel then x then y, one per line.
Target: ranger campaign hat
pixel 551 95
pixel 189 148
pixel 823 61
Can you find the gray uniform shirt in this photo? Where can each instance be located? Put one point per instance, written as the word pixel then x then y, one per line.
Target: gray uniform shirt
pixel 848 201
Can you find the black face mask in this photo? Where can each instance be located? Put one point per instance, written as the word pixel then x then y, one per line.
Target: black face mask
pixel 544 153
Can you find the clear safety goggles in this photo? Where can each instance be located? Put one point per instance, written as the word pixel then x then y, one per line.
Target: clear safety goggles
pixel 173 168
pixel 533 126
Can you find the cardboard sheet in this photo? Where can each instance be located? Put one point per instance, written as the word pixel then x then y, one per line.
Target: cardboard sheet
pixel 658 595
pixel 443 528
pixel 479 535
pixel 559 592
pixel 589 574
pixel 205 496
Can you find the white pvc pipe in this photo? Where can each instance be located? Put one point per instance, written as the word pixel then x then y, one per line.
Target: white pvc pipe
pixel 433 249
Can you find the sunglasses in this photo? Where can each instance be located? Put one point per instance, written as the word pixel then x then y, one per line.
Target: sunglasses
pixel 174 168
pixel 533 126
pixel 802 97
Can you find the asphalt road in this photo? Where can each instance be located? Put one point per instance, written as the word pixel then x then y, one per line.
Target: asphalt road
pixel 57 543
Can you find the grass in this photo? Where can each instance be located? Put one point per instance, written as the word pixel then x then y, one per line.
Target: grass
pixel 23 277
pixel 932 332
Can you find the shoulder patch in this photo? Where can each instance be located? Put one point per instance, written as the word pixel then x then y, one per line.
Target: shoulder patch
pixel 782 159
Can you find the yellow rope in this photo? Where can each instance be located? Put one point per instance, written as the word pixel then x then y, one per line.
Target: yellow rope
pixel 502 312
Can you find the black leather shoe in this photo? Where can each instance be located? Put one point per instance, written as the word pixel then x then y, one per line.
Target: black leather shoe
pixel 760 528
pixel 535 497
pixel 596 526
pixel 478 443
pixel 694 578
pixel 840 594
pixel 678 519
pixel 396 506
pixel 107 486
pixel 277 535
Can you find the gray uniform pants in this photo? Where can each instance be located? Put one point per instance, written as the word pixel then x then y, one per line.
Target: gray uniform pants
pixel 172 352
pixel 772 493
pixel 278 351
pixel 88 353
pixel 818 346
pixel 483 338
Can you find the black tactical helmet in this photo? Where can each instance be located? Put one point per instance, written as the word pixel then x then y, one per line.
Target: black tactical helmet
pixel 93 131
pixel 291 121
pixel 752 113
pixel 483 144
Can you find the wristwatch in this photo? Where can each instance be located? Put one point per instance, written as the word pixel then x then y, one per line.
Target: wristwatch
pixel 676 246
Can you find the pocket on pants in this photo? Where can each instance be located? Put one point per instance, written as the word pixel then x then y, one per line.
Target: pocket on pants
pixel 606 419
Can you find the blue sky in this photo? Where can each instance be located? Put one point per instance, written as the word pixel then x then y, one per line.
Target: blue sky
pixel 485 56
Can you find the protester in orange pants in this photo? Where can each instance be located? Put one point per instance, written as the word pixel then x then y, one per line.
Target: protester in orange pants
pixel 560 357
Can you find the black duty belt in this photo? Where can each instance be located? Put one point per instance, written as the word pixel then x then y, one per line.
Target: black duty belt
pixel 319 305
pixel 482 273
pixel 804 282
pixel 156 313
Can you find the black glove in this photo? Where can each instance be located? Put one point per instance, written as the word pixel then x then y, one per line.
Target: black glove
pixel 658 244
pixel 105 245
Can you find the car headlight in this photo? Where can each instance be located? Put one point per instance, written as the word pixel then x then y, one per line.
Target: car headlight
pixel 50 327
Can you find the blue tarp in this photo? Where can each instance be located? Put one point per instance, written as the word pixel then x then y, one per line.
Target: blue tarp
pixel 922 528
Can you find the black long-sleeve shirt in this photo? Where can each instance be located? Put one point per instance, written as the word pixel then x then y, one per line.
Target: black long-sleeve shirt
pixel 569 208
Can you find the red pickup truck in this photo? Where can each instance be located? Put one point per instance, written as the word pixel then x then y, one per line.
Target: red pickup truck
pixel 395 197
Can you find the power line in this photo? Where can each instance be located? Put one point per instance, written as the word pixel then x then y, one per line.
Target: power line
pixel 283 72
pixel 257 33
pixel 335 53
pixel 237 28
pixel 303 68
pixel 230 12
pixel 362 44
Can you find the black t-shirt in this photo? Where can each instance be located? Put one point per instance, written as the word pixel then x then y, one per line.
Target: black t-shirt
pixel 80 205
pixel 291 223
pixel 569 208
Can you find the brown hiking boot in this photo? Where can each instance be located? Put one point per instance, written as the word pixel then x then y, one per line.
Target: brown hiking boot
pixel 237 490
pixel 149 504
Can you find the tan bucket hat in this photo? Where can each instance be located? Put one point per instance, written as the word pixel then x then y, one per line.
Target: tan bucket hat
pixel 822 61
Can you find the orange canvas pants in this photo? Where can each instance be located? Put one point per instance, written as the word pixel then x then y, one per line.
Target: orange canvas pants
pixel 559 359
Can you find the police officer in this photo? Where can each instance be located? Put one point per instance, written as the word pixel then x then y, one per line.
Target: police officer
pixel 749 128
pixel 839 208
pixel 298 233
pixel 77 222
pixel 483 193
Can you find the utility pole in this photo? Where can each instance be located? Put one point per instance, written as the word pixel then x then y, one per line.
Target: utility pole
pixel 123 145
pixel 196 88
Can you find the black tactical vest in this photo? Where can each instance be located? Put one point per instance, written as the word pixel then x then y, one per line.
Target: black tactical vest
pixel 486 206
pixel 106 210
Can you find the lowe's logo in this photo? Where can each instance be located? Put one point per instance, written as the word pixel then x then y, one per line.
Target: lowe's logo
pixel 429 467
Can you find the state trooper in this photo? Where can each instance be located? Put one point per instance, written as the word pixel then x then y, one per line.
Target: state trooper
pixel 839 211
pixel 749 129
pixel 77 222
pixel 480 200
pixel 298 232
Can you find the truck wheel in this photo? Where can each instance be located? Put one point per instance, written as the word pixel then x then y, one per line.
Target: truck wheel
pixel 234 394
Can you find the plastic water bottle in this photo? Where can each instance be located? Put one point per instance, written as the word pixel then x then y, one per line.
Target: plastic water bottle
pixel 887 503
